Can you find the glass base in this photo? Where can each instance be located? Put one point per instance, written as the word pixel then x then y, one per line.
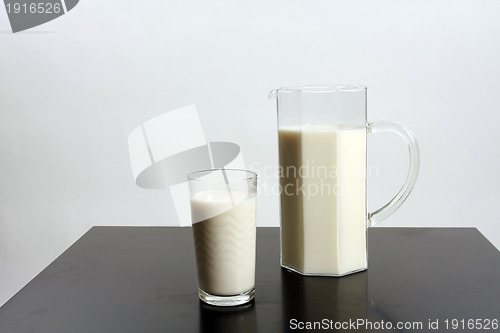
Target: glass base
pixel 232 300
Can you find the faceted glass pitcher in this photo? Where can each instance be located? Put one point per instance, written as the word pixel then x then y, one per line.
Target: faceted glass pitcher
pixel 322 155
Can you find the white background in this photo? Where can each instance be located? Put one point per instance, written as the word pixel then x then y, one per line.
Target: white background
pixel 73 89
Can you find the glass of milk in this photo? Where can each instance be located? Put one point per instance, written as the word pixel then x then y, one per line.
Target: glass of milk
pixel 223 204
pixel 322 134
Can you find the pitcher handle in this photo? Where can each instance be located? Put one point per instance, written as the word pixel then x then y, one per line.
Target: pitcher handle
pixel 390 126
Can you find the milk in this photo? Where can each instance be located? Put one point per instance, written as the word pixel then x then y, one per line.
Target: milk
pixel 323 203
pixel 225 243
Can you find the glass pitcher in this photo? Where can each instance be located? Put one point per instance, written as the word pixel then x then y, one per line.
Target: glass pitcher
pixel 322 155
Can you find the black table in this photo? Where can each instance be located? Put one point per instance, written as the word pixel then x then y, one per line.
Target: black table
pixel 143 279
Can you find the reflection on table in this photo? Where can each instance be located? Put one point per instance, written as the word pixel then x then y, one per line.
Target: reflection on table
pixel 241 319
pixel 315 298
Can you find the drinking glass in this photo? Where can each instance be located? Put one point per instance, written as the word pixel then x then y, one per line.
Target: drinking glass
pixel 223 205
